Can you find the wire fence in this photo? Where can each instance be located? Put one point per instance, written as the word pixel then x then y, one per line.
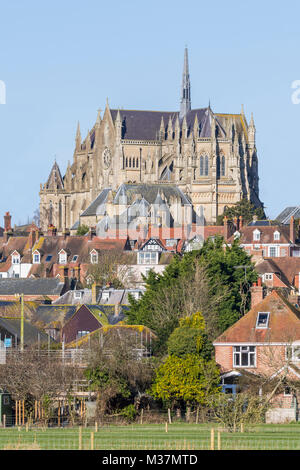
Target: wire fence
pixel 163 436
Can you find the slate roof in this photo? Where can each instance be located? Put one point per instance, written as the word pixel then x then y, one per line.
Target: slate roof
pixel 31 334
pixel 43 286
pixel 97 206
pixel 284 323
pixel 145 125
pixel 285 216
pixel 49 314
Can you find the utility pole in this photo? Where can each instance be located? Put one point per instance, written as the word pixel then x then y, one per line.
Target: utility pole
pixel 22 322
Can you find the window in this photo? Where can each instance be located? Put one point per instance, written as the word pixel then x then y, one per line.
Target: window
pixel 62 257
pixel 16 259
pixel 77 294
pixel 273 251
pixel 94 257
pixel 222 165
pixel 268 277
pixel 49 258
pixel 256 235
pixel 276 235
pixel 36 258
pixel 147 258
pixel 82 333
pixel 293 353
pixel 105 295
pixel 74 259
pixel 244 356
pixel 262 320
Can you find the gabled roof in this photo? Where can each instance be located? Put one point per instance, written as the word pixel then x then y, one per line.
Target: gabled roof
pixel 283 327
pixel 43 286
pixel 32 335
pixel 266 234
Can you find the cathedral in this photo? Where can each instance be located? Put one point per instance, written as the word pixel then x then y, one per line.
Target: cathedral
pixel 192 163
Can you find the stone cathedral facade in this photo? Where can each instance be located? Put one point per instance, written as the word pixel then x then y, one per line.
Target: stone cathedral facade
pixel 210 157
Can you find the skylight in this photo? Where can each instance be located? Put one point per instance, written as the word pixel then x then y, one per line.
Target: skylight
pixel 262 320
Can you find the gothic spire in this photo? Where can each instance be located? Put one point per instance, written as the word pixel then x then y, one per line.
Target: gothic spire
pixel 185 104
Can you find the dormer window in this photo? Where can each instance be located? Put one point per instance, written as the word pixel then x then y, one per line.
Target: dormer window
pixel 262 320
pixel 276 235
pixel 256 235
pixel 62 257
pixel 105 296
pixel 236 235
pixel 94 257
pixel 15 258
pixel 36 258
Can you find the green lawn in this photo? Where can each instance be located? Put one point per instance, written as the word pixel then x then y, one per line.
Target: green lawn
pixel 180 436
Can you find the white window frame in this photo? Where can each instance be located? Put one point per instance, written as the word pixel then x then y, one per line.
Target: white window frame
pixel 77 294
pixel 63 258
pixel 36 258
pixel 276 251
pixel 15 259
pixel 146 257
pixel 264 325
pixel 239 351
pixel 105 295
pixel 276 235
pixel 256 235
pixel 268 276
pixel 94 257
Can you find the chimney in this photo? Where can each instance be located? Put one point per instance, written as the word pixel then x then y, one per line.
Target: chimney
pixel 95 292
pixel 117 309
pixel 226 228
pixel 149 230
pixel 51 231
pixel 292 230
pixel 7 222
pixel 66 233
pixel 240 222
pixel 257 293
pixel 236 223
pixel 92 233
pixel 31 238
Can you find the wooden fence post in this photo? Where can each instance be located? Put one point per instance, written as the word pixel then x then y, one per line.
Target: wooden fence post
pixel 212 439
pixel 219 440
pixel 92 441
pixel 80 438
pixel 166 427
pixel 4 421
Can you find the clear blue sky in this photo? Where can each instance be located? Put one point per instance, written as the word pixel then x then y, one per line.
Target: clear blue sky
pixel 61 59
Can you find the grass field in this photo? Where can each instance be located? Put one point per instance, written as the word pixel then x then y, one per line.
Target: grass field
pixel 180 436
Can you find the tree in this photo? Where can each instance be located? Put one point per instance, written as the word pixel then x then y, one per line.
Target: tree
pixel 111 269
pixel 115 372
pixel 190 338
pixel 242 208
pixel 82 230
pixel 190 379
pixel 205 280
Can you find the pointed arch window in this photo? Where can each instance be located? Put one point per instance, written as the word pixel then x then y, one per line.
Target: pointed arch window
pixel 206 165
pixel 201 166
pixel 222 165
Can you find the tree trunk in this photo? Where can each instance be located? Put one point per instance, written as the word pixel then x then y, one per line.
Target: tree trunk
pixel 188 414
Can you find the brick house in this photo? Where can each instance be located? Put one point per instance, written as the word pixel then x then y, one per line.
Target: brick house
pixel 264 344
pixel 262 239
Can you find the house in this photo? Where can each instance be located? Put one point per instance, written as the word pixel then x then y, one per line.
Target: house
pixel 10 333
pixel 32 289
pixel 262 239
pixel 89 318
pixel 264 344
pixel 281 273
